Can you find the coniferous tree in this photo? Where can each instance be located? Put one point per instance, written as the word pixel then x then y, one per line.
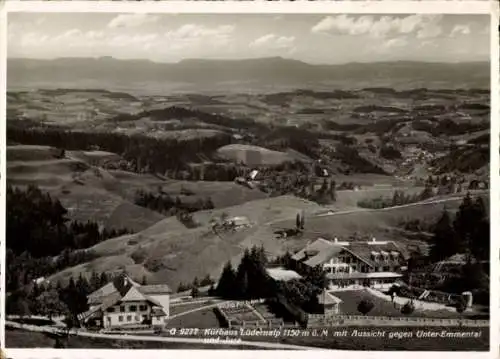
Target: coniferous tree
pixel 227 283
pixel 445 241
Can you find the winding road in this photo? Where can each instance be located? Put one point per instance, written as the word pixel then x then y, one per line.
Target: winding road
pixel 420 203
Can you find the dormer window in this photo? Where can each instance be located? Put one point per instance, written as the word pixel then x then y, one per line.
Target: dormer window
pixel 374 255
pixel 385 255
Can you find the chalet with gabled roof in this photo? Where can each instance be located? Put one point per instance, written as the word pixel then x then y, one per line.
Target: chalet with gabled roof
pixel 123 303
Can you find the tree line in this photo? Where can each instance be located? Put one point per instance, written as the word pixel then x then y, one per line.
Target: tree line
pixel 51 300
pixel 467 233
pixel 166 204
pixel 41 239
pixel 399 198
pixel 142 153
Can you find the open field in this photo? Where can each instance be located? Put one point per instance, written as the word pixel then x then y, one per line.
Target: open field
pixel 205 318
pixel 257 156
pixel 378 223
pixel 351 299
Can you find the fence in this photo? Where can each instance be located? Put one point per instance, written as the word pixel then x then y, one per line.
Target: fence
pixel 298 313
pixel 273 323
pixel 315 320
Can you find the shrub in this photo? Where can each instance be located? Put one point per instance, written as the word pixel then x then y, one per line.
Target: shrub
pixel 461 306
pixel 408 308
pixel 139 255
pixel 195 292
pixel 365 306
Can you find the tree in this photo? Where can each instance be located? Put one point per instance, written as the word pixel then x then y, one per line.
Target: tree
pixel 227 282
pixel 472 227
pixel 20 307
pixel 144 281
pixel 297 221
pixel 195 292
pixel 461 305
pixel 71 322
pixel 408 308
pixel 206 281
pixel 50 304
pixel 333 191
pixel 445 241
pixel 365 306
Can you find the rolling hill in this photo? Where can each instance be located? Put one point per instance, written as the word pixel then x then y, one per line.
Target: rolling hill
pixel 166 251
pixel 107 72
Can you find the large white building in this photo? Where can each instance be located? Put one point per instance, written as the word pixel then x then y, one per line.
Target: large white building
pixel 125 303
pixel 374 263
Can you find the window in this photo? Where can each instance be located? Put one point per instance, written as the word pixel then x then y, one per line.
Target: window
pixel 133 308
pixel 120 318
pixel 111 310
pixel 137 318
pixel 122 308
pixel 129 318
pixel 143 308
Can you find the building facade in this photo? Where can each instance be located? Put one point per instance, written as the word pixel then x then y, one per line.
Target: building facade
pixel 354 264
pixel 123 303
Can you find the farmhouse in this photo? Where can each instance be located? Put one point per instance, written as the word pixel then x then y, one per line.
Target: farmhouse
pixel 237 222
pixel 370 263
pixel 124 303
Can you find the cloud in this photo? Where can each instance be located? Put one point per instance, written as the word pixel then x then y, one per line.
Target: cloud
pixel 191 34
pixel 395 43
pixel 33 39
pixel 128 40
pixel 423 26
pixel 273 41
pixel 460 30
pixel 132 20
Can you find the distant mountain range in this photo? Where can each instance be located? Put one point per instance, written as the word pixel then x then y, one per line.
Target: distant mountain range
pixel 111 73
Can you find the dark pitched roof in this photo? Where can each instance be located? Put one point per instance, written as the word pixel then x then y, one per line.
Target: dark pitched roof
pixel 317 246
pixel 363 251
pixel 322 250
pixel 323 256
pixel 121 283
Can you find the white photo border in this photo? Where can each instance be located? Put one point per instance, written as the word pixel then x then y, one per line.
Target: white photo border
pixel 234 7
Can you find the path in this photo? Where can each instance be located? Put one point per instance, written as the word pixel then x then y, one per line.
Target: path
pixel 455 198
pixel 256 312
pixel 428 306
pixel 265 345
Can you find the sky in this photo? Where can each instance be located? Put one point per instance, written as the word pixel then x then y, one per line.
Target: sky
pixel 313 38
